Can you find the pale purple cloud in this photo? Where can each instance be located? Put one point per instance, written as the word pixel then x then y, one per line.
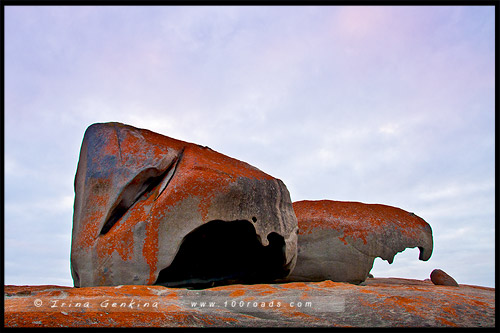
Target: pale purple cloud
pixel 391 105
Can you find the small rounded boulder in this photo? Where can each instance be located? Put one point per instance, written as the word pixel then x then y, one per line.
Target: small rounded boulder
pixel 439 277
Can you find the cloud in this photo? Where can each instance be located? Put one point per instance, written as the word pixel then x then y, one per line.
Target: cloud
pixel 361 23
pixel 391 105
pixel 455 190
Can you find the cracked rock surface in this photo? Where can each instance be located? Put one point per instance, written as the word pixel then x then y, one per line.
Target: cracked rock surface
pixel 339 240
pixel 141 198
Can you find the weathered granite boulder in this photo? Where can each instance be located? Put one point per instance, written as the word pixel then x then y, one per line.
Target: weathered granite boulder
pixel 340 240
pixel 439 277
pixel 150 209
pixel 378 302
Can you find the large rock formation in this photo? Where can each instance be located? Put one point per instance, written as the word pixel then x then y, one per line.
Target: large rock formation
pixel 150 209
pixel 375 303
pixel 340 240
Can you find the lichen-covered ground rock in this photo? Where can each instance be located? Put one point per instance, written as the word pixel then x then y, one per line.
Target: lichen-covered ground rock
pixel 150 209
pixel 440 277
pixel 339 240
pixel 377 302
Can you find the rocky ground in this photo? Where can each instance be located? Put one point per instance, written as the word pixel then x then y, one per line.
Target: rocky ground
pixel 378 302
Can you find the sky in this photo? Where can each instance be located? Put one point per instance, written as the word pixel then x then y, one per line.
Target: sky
pixel 386 104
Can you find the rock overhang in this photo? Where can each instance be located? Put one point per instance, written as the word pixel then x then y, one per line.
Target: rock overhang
pixel 138 194
pixel 339 240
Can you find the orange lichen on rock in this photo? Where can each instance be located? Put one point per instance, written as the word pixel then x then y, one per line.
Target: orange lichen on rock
pixel 380 303
pixel 138 194
pixel 355 219
pixel 339 240
pixel 330 284
pixel 237 293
